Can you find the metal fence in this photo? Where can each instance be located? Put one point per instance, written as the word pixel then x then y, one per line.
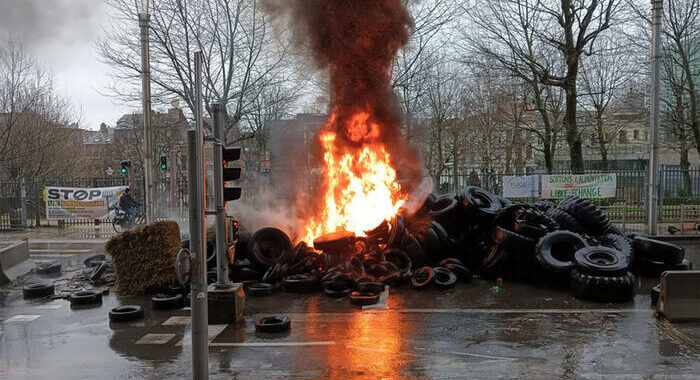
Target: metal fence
pixel 22 203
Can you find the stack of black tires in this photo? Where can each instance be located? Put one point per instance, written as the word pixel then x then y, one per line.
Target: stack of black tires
pixel 571 244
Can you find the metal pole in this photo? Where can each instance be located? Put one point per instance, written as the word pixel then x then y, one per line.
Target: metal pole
pixel 222 279
pixel 173 181
pixel 198 236
pixel 653 199
pixel 146 95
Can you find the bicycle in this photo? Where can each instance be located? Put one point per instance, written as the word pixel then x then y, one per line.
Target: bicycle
pixel 122 220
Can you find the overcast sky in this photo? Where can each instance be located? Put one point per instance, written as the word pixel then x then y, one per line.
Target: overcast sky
pixel 62 34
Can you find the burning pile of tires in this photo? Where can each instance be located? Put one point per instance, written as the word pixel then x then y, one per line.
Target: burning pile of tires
pixel 571 244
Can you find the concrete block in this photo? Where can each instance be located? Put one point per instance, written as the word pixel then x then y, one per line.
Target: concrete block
pixel 14 261
pixel 679 299
pixel 225 305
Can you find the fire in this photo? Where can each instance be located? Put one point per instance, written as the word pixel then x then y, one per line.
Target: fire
pixel 359 183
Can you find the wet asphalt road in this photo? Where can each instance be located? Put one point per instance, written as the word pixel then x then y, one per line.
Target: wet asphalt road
pixel 472 331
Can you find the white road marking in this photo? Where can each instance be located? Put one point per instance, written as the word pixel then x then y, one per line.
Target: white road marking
pixel 60 250
pixel 519 311
pixel 23 318
pixel 271 344
pixel 155 339
pixel 50 306
pixel 482 356
pixel 213 331
pixel 178 320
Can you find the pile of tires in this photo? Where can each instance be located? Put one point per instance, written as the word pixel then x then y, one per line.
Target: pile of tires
pixel 451 237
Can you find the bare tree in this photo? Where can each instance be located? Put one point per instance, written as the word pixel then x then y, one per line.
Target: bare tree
pixel 603 76
pixel 522 35
pixel 433 21
pixel 680 36
pixel 242 57
pixel 37 126
pixel 675 117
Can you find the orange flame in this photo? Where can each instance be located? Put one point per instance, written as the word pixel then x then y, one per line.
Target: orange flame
pixel 359 184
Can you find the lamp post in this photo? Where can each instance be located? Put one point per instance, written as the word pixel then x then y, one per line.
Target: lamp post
pixel 146 101
pixel 653 198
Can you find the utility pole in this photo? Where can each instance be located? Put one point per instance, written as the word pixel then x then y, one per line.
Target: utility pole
pixel 198 235
pixel 653 196
pixel 146 95
pixel 173 179
pixel 222 279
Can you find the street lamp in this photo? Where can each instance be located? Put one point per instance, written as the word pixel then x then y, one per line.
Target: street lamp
pixel 146 97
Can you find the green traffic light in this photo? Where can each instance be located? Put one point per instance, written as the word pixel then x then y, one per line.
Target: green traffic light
pixel 123 170
pixel 163 167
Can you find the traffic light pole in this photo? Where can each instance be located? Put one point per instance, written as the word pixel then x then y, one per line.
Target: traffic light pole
pixel 222 278
pixel 198 236
pixel 653 193
pixel 146 95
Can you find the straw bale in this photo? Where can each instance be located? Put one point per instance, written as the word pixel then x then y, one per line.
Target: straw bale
pixel 144 257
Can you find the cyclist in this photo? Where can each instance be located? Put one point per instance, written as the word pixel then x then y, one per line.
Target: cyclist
pixel 129 204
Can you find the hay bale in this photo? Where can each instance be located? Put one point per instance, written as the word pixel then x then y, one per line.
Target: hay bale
pixel 144 257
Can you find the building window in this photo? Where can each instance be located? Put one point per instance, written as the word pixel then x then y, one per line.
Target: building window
pixel 623 137
pixel 636 134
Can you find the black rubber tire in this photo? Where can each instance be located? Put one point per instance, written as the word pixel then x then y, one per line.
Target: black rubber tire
pixel 339 293
pixel 544 205
pixel 98 269
pixel 399 258
pixel 536 217
pixel 85 297
pixel 273 324
pixel 260 289
pixel 494 264
pixel 619 242
pixel 444 278
pixel 363 298
pixel 442 234
pixel 450 260
pixel 530 230
pixel 272 274
pixel 565 220
pixel 371 287
pixel 650 268
pixel 512 241
pixel 390 278
pixel 657 250
pixel 300 283
pixel 166 302
pixel 269 246
pixel 334 242
pixel 37 290
pixel 51 268
pixel 683 265
pixel 590 216
pixel 463 273
pixel 556 250
pixel 126 313
pixel 602 261
pixel 422 277
pixel 94 260
pixel 445 209
pixel 478 199
pixel 430 242
pixel 602 288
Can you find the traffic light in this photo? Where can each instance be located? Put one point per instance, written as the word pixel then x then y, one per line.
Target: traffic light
pixel 230 174
pixel 125 165
pixel 163 163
